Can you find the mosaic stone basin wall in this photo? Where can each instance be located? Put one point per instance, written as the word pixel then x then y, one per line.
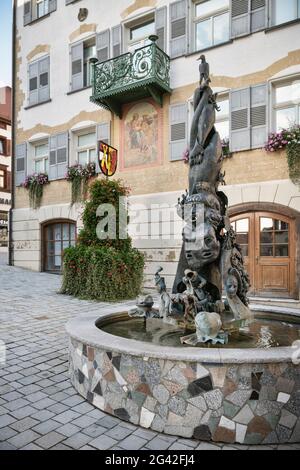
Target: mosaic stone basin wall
pixel 243 396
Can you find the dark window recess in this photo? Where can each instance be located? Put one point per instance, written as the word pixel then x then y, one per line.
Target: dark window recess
pixel 2 147
pixel 53 158
pixel 239 119
pixel 61 155
pixel 178 28
pixel 239 7
pixel 44 79
pixel 33 84
pixel 178 131
pixel 258 116
pixel 76 67
pixel 20 164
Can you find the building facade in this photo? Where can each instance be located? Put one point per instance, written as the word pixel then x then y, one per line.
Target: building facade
pixel 142 104
pixel 5 166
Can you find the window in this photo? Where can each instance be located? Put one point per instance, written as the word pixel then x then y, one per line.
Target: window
pixel 36 9
pixel 86 148
pixel 211 23
pixel 241 227
pixel 286 105
pixel 39 83
pixel 2 147
pixel 89 51
pixel 41 158
pixel 248 120
pixel 2 179
pixel 139 34
pixel 57 237
pixel 222 117
pixel 81 68
pixel 42 8
pixel 247 16
pixel 274 238
pixel 283 12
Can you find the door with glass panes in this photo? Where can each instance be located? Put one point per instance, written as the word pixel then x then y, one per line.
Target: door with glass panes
pixel 57 237
pixel 267 242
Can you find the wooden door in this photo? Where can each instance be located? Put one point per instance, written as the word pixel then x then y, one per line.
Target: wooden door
pixel 274 255
pixel 57 237
pixel 268 244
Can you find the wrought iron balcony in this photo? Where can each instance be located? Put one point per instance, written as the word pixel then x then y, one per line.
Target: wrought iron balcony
pixel 130 77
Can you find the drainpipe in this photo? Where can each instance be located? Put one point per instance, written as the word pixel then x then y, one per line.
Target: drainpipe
pixel 13 136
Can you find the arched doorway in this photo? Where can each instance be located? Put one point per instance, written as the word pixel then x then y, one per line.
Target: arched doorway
pixel 268 244
pixel 57 236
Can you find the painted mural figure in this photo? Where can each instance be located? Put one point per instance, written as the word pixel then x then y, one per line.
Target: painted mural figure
pixel 141 135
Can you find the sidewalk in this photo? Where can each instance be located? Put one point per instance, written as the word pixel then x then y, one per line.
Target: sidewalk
pixel 39 409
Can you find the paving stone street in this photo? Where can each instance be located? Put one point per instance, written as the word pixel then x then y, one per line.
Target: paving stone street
pixel 39 408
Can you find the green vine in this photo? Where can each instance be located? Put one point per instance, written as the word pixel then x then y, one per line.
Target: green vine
pixel 288 139
pixel 103 269
pixel 79 177
pixel 293 158
pixel 35 185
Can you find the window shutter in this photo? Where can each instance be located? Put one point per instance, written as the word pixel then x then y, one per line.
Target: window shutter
pixel 33 83
pixel 258 15
pixel 8 181
pixel 59 156
pixel 178 28
pixel 27 13
pixel 52 5
pixel 178 131
pixel 117 48
pixel 44 80
pixel 259 98
pixel 21 163
pixel 104 134
pixel 103 45
pixel 161 27
pixel 240 120
pixel 240 18
pixel 77 66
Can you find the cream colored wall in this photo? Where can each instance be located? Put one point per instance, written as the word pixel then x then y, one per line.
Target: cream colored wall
pixel 161 242
pixel 280 51
pixel 251 176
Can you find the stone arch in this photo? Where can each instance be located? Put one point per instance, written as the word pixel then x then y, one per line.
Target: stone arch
pixel 66 212
pixel 278 209
pixel 264 206
pixel 72 235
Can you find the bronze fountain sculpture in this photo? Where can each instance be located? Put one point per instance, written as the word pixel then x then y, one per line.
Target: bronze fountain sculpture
pixel 210 260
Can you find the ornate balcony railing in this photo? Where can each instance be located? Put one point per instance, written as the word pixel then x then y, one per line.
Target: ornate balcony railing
pixel 131 76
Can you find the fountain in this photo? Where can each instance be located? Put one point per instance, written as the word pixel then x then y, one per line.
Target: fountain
pixel 198 365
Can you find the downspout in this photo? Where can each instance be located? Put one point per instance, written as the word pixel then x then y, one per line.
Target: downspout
pixel 13 136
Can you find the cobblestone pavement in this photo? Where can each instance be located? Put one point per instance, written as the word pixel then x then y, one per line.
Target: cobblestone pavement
pixel 39 409
pixel 3 259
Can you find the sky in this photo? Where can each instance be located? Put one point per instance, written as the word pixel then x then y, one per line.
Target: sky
pixel 5 42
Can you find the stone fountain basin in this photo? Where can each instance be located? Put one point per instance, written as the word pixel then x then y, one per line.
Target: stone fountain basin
pixel 246 396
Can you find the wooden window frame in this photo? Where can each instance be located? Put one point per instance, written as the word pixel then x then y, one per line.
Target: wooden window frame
pixel 4 143
pixel 4 176
pixel 288 104
pixel 45 240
